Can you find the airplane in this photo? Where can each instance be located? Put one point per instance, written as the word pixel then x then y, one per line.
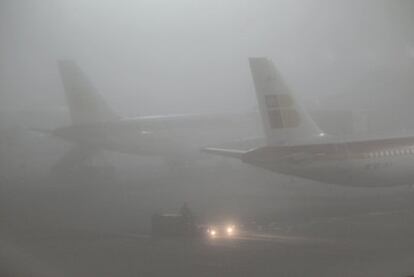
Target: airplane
pixel 95 126
pixel 296 146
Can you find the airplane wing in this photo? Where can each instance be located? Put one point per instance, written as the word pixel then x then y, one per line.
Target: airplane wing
pixel 193 120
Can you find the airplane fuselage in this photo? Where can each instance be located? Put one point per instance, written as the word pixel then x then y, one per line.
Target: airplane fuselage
pixel 386 162
pixel 167 136
pixel 122 138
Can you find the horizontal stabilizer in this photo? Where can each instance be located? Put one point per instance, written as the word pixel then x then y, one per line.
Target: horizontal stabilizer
pixel 233 153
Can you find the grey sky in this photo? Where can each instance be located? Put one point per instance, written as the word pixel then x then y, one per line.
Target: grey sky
pixel 159 56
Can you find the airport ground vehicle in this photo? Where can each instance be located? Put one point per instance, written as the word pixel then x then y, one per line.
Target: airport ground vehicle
pixel 174 225
pixel 183 225
pixel 180 224
pixel 222 231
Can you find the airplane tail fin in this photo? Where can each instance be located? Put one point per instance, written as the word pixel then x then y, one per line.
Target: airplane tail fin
pixel 85 104
pixel 284 120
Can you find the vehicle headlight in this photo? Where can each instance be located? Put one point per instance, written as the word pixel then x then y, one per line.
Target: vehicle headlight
pixel 212 232
pixel 230 230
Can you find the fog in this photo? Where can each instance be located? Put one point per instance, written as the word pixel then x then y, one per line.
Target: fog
pixel 64 202
pixel 162 57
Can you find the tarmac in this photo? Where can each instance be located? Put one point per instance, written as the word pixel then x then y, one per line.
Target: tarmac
pixel 101 229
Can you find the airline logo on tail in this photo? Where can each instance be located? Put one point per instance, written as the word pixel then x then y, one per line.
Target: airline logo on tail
pixel 284 120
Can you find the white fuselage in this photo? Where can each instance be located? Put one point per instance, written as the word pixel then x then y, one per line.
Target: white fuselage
pixel 386 162
pixel 167 136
